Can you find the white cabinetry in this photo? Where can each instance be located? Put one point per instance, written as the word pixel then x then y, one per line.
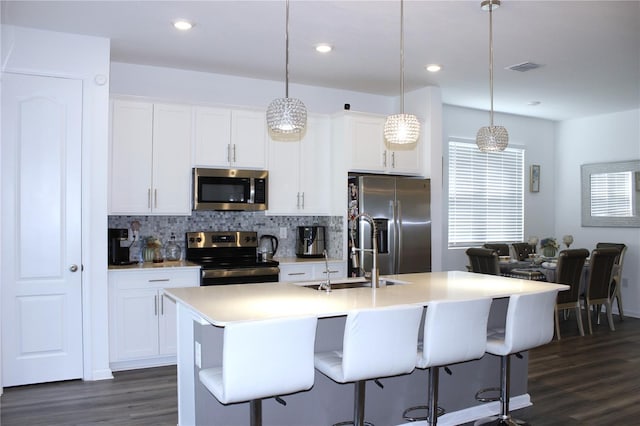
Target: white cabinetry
pixel 299 171
pixel 311 270
pixel 367 150
pixel 150 158
pixel 230 138
pixel 142 320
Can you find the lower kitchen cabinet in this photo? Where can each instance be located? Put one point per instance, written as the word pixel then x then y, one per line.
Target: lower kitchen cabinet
pixel 142 320
pixel 311 270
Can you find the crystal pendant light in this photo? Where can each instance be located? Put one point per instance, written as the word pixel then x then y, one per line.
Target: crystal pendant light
pixel 286 115
pixel 402 128
pixel 491 138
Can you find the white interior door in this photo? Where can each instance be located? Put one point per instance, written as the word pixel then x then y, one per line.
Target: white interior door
pixel 41 244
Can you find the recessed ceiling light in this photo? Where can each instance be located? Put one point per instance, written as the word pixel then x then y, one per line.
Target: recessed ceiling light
pixel 534 103
pixel 433 67
pixel 324 48
pixel 182 25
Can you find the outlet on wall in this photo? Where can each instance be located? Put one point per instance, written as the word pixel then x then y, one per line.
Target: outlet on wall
pixel 283 232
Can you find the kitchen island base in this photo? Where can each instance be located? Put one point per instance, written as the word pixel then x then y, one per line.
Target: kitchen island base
pixel 329 402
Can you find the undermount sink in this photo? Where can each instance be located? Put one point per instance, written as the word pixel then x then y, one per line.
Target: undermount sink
pixel 346 283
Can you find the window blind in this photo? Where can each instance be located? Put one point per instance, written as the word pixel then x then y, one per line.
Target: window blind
pixel 611 194
pixel 486 195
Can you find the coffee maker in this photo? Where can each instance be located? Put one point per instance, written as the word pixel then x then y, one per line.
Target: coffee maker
pixel 119 246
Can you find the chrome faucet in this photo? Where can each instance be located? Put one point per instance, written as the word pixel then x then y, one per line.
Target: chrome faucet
pixel 374 249
pixel 327 284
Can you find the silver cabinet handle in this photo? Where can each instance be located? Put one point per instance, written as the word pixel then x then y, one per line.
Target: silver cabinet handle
pixel 155 305
pixel 73 268
pixel 234 153
pixel 303 201
pixel 384 158
pixel 296 273
pixel 393 160
pixel 158 280
pixel 162 305
pixel 155 198
pixel 298 200
pixel 228 153
pixel 149 198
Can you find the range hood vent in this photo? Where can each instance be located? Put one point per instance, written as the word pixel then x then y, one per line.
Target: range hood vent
pixel 523 67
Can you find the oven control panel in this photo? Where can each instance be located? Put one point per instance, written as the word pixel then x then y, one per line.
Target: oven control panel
pixel 212 239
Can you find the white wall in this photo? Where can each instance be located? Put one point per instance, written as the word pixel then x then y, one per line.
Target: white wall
pixel 84 58
pixel 200 87
pixel 604 138
pixel 537 137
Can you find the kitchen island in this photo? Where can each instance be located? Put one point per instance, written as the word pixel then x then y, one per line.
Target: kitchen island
pixel 204 311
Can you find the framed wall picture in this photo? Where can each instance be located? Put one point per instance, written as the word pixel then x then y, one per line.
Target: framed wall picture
pixel 534 178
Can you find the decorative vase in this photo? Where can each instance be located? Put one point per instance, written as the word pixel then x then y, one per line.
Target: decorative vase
pixel 148 254
pixel 549 251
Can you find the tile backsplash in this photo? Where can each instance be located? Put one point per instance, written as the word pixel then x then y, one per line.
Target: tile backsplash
pixel 161 227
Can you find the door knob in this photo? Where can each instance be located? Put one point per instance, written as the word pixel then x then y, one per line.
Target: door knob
pixel 73 268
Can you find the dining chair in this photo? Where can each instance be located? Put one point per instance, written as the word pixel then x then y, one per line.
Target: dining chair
pixel 523 250
pixel 501 248
pixel 569 271
pixel 599 286
pixel 483 261
pixel 617 273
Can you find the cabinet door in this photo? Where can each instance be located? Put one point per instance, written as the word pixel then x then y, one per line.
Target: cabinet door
pixel 315 167
pixel 366 139
pixel 296 272
pixel 212 143
pixel 167 329
pixel 406 159
pixel 248 139
pixel 171 159
pixel 135 323
pixel 130 155
pixel 284 182
pixel 336 270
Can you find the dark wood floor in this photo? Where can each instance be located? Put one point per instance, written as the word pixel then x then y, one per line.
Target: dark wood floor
pixel 591 380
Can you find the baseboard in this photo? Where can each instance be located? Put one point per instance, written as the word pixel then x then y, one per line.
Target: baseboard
pixel 477 412
pixel 143 363
pixel 104 374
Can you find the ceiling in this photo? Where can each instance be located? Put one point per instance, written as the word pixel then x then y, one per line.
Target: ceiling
pixel 589 51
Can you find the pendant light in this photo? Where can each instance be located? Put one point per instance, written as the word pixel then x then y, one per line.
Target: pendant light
pixel 402 128
pixel 286 115
pixel 491 138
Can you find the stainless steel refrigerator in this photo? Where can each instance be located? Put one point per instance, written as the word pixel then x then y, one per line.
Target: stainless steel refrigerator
pixel 401 209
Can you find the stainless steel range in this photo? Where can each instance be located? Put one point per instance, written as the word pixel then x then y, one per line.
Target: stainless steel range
pixel 229 257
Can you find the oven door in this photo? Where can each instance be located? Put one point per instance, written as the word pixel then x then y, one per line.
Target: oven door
pixel 240 275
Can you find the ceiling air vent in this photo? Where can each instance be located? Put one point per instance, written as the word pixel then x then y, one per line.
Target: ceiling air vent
pixel 523 67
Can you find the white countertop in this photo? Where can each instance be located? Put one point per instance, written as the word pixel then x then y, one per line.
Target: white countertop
pixel 152 265
pixel 220 305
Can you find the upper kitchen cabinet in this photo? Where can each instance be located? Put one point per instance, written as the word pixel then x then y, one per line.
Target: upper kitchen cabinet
pixel 226 138
pixel 366 149
pixel 299 170
pixel 150 158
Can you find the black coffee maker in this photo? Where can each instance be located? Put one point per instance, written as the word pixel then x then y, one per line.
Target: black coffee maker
pixel 119 246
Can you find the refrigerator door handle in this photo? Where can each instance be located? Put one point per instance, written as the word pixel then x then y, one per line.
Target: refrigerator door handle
pixel 398 242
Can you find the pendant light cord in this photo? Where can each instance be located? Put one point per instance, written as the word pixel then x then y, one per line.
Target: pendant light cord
pixel 401 57
pixel 286 43
pixel 491 60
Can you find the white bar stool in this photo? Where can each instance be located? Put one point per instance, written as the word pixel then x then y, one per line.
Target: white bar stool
pixel 377 343
pixel 261 359
pixel 529 323
pixel 454 331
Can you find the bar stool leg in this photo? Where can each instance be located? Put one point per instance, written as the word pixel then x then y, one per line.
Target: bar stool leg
pixel 433 395
pixel 255 408
pixel 358 408
pixel 504 418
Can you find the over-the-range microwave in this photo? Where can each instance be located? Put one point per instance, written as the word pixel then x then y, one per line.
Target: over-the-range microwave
pixel 229 189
